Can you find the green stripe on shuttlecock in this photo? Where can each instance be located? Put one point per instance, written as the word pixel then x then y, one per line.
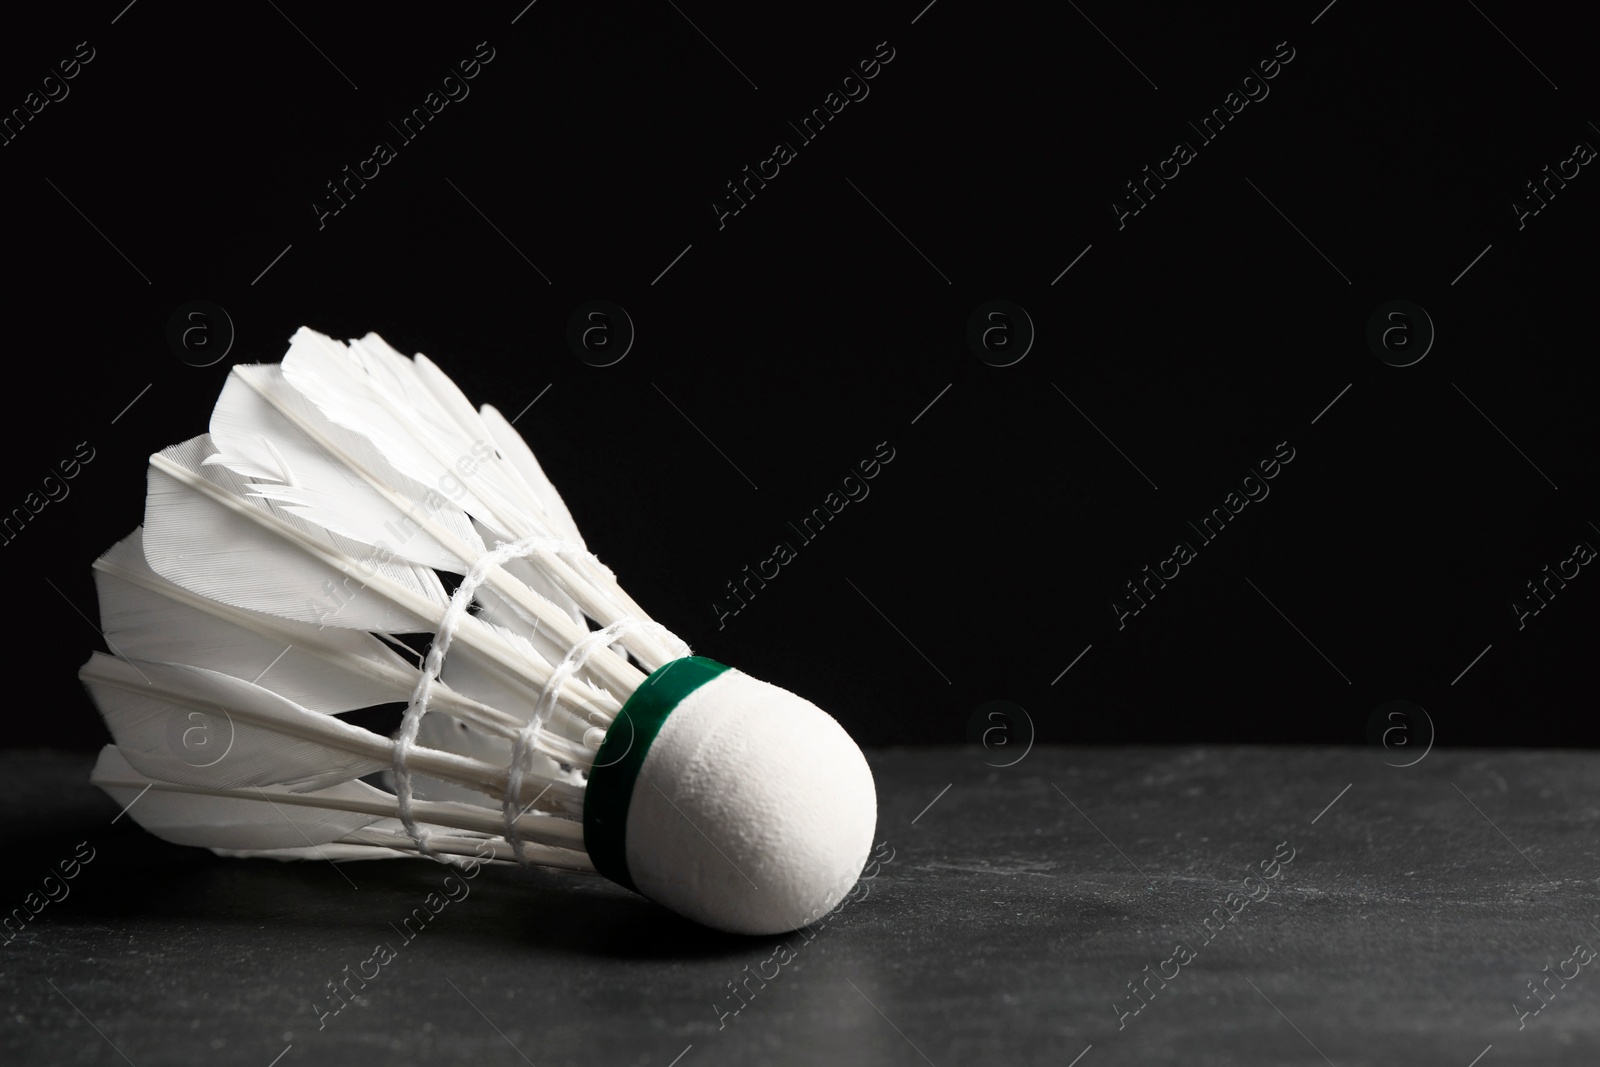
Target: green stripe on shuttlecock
pixel 609 793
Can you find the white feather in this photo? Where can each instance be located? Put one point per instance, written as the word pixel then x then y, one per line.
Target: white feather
pixel 196 727
pixel 144 616
pixel 266 431
pixel 374 391
pixel 309 453
pixel 516 451
pixel 329 670
pixel 355 808
pixel 218 822
pixel 355 390
pixel 203 532
pixel 192 726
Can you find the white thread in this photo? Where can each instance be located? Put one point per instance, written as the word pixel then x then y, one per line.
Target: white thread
pixel 571 663
pixel 432 665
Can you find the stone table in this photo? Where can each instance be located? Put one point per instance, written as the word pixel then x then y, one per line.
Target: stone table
pixel 1379 915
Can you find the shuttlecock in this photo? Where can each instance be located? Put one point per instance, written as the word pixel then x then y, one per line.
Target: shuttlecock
pixel 283 557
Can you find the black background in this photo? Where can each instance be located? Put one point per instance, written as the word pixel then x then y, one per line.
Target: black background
pixel 807 330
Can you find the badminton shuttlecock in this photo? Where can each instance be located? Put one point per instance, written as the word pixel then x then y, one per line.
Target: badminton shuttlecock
pixel 285 559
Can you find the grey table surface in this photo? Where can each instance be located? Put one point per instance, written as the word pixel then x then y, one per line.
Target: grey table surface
pixel 1010 913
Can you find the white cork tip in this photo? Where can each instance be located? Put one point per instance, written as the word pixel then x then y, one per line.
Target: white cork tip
pixel 753 812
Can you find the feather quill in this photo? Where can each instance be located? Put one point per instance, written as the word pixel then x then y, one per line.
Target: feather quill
pixel 192 726
pixel 275 821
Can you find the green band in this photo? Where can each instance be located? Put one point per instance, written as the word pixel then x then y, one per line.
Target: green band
pixel 616 766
